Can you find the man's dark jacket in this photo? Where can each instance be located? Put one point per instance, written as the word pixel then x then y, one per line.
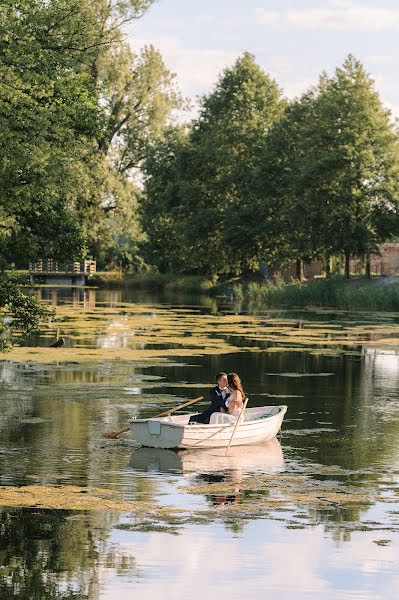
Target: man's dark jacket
pixel 217 402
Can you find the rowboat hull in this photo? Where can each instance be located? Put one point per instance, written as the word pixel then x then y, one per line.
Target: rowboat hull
pixel 258 425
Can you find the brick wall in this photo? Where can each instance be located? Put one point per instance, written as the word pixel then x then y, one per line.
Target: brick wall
pixel 387 263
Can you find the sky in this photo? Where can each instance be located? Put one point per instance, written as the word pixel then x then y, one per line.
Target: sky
pixel 293 40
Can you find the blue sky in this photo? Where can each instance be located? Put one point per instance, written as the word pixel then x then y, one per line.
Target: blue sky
pixel 294 40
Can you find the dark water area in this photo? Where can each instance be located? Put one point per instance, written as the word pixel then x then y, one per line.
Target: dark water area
pixel 335 465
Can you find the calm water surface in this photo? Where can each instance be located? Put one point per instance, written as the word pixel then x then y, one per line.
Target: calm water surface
pixel 341 434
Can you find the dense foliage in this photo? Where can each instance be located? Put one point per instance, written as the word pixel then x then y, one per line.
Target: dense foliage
pixel 77 111
pixel 199 183
pixel 255 179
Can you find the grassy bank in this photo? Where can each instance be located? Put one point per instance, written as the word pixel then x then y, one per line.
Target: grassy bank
pixel 381 293
pixel 106 279
pixel 142 281
pixel 169 282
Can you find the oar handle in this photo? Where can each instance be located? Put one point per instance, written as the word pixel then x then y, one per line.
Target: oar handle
pixel 236 425
pixel 167 412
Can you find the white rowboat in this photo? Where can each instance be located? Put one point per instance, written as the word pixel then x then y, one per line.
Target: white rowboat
pixel 257 425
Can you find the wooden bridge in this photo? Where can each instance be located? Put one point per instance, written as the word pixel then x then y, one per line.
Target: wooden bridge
pixel 52 272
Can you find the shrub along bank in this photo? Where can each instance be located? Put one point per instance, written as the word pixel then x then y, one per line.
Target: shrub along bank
pixel 381 293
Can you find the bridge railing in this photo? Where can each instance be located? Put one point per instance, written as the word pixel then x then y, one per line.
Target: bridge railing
pixel 49 265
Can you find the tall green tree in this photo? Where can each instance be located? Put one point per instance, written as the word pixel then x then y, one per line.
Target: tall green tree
pixel 77 110
pixel 164 204
pixel 350 172
pixel 48 117
pixel 213 172
pixel 137 96
pixel 329 171
pixel 48 114
pixel 52 116
pixel 285 222
pixel 226 141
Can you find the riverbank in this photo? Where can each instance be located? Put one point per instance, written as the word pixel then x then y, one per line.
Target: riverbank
pixel 359 293
pixel 170 282
pixel 380 293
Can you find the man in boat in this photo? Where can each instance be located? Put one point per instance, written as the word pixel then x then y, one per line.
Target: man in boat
pixel 218 396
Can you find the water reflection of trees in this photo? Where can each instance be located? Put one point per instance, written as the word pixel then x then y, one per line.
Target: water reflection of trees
pixel 52 424
pixel 349 419
pixel 56 555
pixel 363 414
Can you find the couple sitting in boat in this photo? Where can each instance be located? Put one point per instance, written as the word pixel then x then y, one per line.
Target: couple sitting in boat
pixel 227 397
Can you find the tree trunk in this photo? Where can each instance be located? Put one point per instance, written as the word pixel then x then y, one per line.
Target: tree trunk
pixel 299 269
pixel 328 266
pixel 347 265
pixel 368 266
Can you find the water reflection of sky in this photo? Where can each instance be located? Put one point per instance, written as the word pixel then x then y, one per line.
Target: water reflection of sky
pixel 261 560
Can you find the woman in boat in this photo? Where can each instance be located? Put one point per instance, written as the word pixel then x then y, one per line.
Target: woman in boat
pixel 235 401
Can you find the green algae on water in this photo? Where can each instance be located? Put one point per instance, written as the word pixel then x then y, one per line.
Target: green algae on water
pixel 63 497
pixel 152 334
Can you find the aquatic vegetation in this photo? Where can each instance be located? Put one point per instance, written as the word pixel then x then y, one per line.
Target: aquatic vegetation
pixel 152 334
pixel 269 495
pixel 301 374
pixel 63 497
pixel 88 355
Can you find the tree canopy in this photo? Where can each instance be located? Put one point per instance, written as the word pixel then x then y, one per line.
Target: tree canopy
pixel 210 172
pixel 77 110
pixel 256 178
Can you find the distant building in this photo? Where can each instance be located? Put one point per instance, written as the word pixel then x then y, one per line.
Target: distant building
pixel 385 263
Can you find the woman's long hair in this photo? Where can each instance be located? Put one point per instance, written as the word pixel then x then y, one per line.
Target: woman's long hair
pixel 235 383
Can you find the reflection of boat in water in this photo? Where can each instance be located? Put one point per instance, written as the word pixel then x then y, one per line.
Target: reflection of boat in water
pixel 266 457
pixel 258 425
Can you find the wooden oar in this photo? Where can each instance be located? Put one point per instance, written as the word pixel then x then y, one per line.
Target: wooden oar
pixel 167 412
pixel 236 425
pixel 114 434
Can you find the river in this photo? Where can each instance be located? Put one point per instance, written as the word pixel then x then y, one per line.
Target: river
pixel 315 514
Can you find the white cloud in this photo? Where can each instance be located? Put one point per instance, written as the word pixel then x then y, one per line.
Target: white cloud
pixel 344 16
pixel 196 69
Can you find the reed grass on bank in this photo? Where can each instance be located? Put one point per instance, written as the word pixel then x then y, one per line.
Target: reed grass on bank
pixel 106 279
pixel 381 293
pixel 169 282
